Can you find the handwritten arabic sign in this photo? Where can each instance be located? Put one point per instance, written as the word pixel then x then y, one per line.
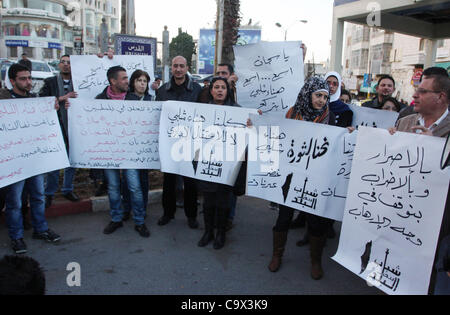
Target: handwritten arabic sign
pixel 31 142
pixel 203 141
pixel 394 210
pixel 270 75
pixel 369 117
pixel 89 72
pixel 109 134
pixel 302 165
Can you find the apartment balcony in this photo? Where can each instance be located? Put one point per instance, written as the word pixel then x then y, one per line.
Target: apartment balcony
pixel 417 58
pixel 34 13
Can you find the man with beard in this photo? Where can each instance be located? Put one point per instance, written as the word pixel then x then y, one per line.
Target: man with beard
pixel 385 88
pixel 61 87
pixel 20 78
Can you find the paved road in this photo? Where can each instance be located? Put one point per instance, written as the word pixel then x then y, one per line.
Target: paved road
pixel 169 262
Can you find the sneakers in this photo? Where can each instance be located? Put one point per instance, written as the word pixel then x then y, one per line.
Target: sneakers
pixel 48 236
pixel 142 230
pixel 19 246
pixel 112 227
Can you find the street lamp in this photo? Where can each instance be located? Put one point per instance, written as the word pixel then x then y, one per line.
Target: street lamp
pixel 286 30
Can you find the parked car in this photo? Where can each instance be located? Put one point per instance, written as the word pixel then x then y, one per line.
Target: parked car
pixel 4 65
pixel 40 70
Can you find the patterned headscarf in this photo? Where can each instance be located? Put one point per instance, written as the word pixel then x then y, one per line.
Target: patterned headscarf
pixel 303 108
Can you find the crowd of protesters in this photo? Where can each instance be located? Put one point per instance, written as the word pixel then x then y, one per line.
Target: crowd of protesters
pixel 321 100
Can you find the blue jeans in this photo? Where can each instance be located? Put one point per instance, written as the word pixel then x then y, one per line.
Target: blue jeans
pixel 145 186
pixel 52 184
pixel 115 201
pixel 14 220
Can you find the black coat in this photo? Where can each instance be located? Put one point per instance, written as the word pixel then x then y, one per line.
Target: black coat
pixel 188 92
pixel 51 88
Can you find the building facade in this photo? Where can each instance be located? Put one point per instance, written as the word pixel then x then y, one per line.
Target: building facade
pixel 44 30
pixel 374 51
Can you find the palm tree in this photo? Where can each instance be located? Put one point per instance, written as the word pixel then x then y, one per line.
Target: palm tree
pixel 231 23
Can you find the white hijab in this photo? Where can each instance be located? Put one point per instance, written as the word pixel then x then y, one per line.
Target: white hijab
pixel 334 97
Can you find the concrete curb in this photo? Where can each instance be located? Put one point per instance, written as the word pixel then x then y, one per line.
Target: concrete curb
pixel 94 204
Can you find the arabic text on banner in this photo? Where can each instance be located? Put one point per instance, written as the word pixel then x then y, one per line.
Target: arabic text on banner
pixel 203 141
pixel 114 134
pixel 394 210
pixel 271 74
pixel 301 165
pixel 89 72
pixel 31 139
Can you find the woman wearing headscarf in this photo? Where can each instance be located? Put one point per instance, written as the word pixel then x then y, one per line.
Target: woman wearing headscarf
pixel 312 105
pixel 217 198
pixel 343 113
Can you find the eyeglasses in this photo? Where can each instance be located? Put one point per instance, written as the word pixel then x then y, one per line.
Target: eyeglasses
pixel 65 62
pixel 425 91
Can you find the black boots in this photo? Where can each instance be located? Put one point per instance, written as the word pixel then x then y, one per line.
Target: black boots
pixel 208 236
pixel 208 215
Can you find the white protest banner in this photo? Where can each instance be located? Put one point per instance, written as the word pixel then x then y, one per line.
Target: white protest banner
pixel 89 72
pixel 370 117
pixel 203 141
pixel 31 139
pixel 271 74
pixel 394 210
pixel 110 134
pixel 302 165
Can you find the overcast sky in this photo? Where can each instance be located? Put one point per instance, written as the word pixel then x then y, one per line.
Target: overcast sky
pixel 191 16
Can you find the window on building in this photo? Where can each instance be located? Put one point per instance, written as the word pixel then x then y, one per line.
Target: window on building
pixel 47 53
pixel 440 43
pixel 29 51
pixel 422 44
pixel 12 52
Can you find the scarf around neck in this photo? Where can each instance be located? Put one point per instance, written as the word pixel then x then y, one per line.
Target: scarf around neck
pixel 116 97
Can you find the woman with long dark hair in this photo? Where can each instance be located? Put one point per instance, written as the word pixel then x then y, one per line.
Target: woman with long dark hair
pixel 217 198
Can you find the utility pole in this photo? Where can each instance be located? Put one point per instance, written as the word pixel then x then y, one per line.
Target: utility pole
pixel 219 34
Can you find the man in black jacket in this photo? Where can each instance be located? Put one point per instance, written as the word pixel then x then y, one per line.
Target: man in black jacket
pixel 61 87
pixel 118 90
pixel 385 88
pixel 180 88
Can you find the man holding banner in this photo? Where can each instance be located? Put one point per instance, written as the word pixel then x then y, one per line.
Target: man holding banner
pixel 431 102
pixel 180 88
pixel 20 77
pixel 118 90
pixel 61 87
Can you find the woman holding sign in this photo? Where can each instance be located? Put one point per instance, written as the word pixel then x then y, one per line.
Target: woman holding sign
pixel 312 105
pixel 217 198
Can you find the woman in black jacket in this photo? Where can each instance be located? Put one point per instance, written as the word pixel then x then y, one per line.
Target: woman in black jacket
pixel 139 85
pixel 217 198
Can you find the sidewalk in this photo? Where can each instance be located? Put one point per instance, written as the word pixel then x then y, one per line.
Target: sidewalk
pixel 171 263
